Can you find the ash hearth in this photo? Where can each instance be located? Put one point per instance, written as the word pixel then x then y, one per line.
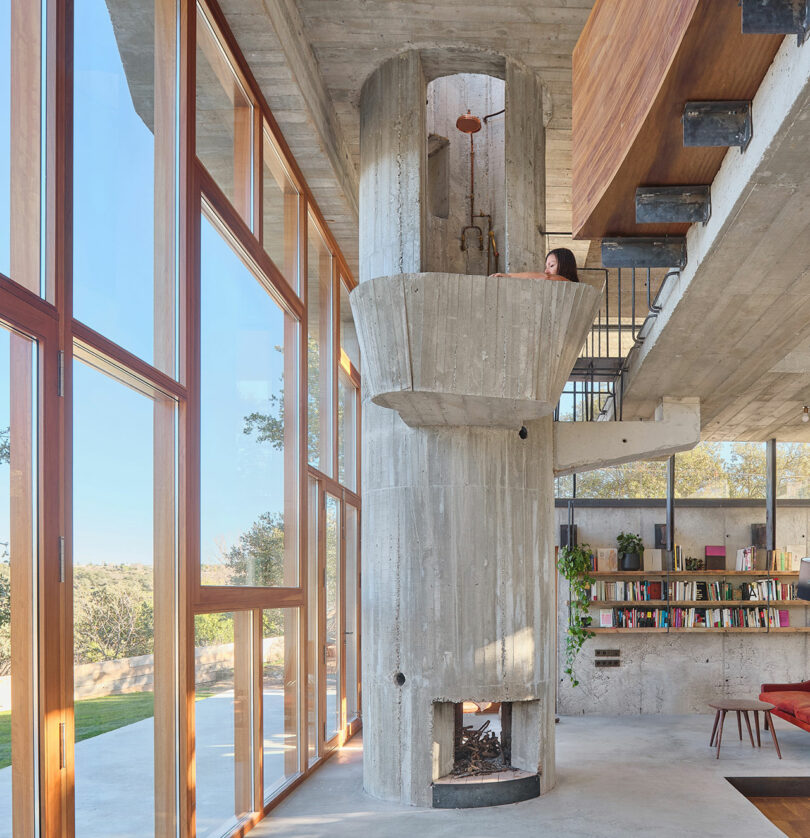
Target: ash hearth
pixel 484 748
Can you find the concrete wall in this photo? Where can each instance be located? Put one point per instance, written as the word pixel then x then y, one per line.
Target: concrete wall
pixel 680 673
pixel 448 98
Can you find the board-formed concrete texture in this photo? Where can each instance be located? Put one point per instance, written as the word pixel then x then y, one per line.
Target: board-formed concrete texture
pixel 679 673
pixel 458 592
pixel 584 446
pixel 459 583
pixel 452 349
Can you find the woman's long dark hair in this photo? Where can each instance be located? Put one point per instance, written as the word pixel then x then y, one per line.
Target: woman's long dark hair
pixel 566 263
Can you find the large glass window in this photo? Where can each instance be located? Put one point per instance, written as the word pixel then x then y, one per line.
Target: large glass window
pixel 639 479
pixel 313 622
pixel 224 132
pixel 18 455
pixel 348 332
pixel 333 627
pixel 249 499
pixel 5 137
pixel 279 213
pixel 123 156
pixel 352 631
pixel 281 697
pixel 792 470
pixel 223 714
pixel 123 548
pixel 347 431
pixel 319 354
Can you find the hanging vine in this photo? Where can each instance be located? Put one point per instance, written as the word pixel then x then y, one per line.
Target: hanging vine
pixel 575 564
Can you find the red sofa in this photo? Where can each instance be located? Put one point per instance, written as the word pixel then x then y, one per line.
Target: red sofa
pixel 792 702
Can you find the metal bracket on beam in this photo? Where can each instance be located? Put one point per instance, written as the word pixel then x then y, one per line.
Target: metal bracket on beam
pixel 644 252
pixel 722 123
pixel 673 204
pixel 776 17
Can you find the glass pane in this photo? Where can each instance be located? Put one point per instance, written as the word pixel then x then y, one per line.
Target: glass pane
pixel 281 697
pixel 224 120
pixel 18 412
pixel 333 647
pixel 348 332
pixel 222 721
pixel 352 612
pixel 347 431
pixel 249 500
pixel 5 137
pixel 115 147
pixel 319 355
pixel 280 214
pixel 122 544
pixel 703 472
pixel 313 643
pixel 792 470
pixel 640 479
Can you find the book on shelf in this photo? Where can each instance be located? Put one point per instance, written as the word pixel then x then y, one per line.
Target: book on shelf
pixel 607 559
pixel 641 618
pixel 606 618
pixel 797 553
pixel 715 556
pixel 746 558
pixel 784 618
pixel 653 559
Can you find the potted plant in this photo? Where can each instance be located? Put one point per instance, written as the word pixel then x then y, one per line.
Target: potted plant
pixel 631 550
pixel 575 565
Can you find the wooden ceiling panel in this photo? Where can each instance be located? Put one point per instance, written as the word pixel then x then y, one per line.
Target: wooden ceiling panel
pixel 635 67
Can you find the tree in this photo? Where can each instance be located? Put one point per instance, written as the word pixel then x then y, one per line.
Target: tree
pixel 5 448
pixel 258 558
pixel 269 427
pixel 699 471
pixel 112 624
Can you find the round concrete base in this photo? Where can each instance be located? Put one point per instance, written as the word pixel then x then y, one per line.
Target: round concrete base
pixel 509 786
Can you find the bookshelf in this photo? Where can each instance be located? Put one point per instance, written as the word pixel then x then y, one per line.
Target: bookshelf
pixel 697 602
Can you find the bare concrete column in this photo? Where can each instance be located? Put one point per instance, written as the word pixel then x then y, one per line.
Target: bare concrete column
pixel 458 598
pixel 393 163
pixel 525 169
pixel 458 594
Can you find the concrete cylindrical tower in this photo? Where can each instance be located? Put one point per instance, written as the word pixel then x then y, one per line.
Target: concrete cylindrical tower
pixel 458 565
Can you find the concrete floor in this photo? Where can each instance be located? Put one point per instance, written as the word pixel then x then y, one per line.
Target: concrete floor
pixel 617 776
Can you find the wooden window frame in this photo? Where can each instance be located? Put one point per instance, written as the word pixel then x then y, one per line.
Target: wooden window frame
pixel 50 321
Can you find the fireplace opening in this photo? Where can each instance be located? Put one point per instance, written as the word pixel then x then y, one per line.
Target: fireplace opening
pixel 483 738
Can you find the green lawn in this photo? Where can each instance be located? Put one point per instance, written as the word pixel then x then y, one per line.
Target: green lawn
pixel 93 717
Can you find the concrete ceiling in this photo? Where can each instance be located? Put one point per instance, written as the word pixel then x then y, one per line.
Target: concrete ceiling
pixel 350 38
pixel 311 57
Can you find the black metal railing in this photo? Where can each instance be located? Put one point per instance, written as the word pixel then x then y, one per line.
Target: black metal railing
pixel 630 303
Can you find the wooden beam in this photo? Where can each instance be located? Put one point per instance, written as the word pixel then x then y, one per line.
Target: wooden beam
pixel 657 56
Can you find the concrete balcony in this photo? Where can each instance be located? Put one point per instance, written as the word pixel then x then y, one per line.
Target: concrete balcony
pixel 452 349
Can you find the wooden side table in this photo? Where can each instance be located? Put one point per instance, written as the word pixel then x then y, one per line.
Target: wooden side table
pixel 742 706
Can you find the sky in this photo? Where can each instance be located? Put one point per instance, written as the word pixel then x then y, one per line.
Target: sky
pixel 113 293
